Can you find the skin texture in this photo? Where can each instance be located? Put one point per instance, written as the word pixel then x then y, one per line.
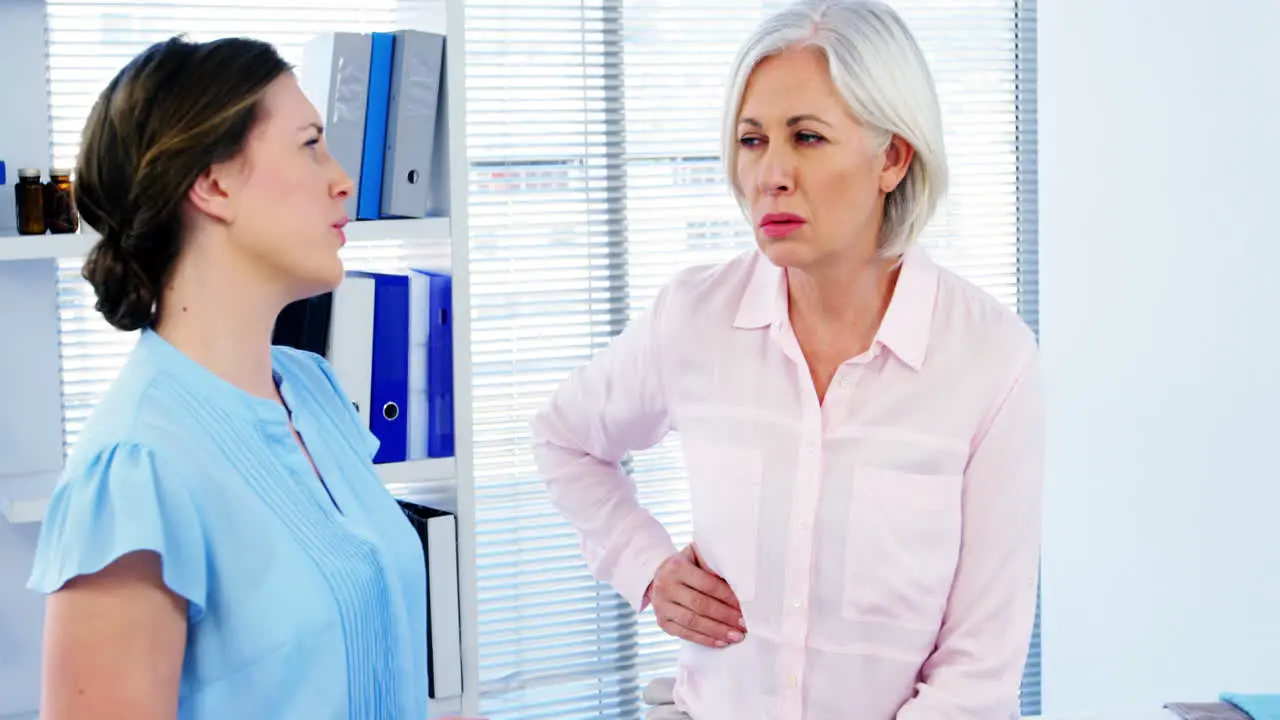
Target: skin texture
pixel 259 233
pixel 802 152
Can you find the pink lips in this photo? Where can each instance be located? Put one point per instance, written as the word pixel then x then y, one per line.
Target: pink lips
pixel 341 234
pixel 780 225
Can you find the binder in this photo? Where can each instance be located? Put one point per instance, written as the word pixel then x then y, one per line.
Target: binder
pixel 304 324
pixel 431 428
pixel 335 77
pixel 369 194
pixel 438 532
pixel 416 73
pixel 369 352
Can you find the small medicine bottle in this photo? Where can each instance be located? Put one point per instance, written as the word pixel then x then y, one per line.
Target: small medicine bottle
pixel 59 203
pixel 28 196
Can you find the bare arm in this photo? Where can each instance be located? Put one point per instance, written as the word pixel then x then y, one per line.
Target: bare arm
pixel 114 644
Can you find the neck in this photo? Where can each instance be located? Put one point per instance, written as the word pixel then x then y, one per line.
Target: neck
pixel 215 311
pixel 842 294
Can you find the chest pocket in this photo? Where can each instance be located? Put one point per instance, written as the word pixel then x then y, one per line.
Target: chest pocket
pixel 902 546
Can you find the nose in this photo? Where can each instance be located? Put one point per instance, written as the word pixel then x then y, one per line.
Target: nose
pixel 343 186
pixel 777 171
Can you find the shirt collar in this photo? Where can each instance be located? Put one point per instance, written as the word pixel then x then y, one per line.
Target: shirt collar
pixel 907 323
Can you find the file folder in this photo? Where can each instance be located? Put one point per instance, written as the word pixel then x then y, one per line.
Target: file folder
pixel 438 532
pixel 369 352
pixel 413 105
pixel 431 428
pixel 369 194
pixel 335 78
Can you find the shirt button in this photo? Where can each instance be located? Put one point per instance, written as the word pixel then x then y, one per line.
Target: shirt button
pixel 791 680
pixel 797 603
pixel 844 381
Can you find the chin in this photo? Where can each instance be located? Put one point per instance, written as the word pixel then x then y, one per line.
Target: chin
pixel 317 278
pixel 786 252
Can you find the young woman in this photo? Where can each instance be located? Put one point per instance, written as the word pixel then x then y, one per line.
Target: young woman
pixel 220 545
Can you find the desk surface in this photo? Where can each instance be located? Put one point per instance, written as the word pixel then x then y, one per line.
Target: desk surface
pixel 1161 714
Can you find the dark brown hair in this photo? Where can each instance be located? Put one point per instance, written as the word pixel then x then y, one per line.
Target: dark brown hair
pixel 175 110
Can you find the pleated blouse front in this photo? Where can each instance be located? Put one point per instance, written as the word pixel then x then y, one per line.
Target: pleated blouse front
pixel 306 598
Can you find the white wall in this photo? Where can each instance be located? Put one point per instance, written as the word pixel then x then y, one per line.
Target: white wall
pixel 24 140
pixel 1160 322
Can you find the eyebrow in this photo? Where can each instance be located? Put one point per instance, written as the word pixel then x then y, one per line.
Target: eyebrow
pixel 312 126
pixel 791 121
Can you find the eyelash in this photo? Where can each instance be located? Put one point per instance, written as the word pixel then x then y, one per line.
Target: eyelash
pixel 313 142
pixel 803 137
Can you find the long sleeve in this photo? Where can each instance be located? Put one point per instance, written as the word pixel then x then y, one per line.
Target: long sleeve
pixel 974 673
pixel 614 405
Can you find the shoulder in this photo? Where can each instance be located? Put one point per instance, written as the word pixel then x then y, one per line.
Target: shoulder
pixel 706 297
pixel 117 498
pixel 146 405
pixel 711 281
pixel 968 316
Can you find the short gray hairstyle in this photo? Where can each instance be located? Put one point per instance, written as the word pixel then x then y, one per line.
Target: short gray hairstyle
pixel 882 75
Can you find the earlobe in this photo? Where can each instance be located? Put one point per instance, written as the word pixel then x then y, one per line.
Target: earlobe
pixel 210 195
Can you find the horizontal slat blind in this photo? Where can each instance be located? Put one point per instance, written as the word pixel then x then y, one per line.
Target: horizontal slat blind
pixel 544 118
pixel 89 41
pixel 594 137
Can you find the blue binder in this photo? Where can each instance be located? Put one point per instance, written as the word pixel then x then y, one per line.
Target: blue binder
pixel 437 420
pixel 388 363
pixel 369 202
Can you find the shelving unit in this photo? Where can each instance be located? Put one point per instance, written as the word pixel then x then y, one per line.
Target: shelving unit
pixel 77 245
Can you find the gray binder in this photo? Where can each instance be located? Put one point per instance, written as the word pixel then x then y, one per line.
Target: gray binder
pixel 335 77
pixel 416 83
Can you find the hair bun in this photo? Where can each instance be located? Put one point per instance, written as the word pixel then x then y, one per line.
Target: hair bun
pixel 126 295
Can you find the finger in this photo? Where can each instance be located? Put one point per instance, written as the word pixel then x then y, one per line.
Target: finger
pixel 709 583
pixel 687 610
pixel 673 628
pixel 714 588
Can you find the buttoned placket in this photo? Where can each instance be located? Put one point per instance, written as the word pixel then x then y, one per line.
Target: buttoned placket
pixel 798 572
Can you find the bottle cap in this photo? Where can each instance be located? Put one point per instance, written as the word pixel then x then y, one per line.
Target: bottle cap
pixel 60 171
pixel 28 172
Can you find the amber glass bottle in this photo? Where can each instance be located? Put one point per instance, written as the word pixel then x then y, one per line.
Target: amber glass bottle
pixel 28 195
pixel 59 203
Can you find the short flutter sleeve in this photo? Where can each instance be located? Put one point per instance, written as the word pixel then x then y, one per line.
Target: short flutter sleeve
pixel 121 501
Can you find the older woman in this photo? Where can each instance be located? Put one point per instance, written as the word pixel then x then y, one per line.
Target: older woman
pixel 862 429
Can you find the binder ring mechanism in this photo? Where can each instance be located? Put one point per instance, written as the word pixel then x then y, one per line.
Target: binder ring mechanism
pixel 391 411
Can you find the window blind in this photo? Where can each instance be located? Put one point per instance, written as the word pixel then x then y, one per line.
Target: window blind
pixel 595 174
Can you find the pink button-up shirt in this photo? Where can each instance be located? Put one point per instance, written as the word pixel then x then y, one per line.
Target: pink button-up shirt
pixel 884 543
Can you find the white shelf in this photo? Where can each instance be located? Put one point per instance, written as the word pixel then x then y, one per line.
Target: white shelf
pixel 77 245
pixel 24 498
pixel 418 471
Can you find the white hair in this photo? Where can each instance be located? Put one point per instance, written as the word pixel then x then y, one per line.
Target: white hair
pixel 879 70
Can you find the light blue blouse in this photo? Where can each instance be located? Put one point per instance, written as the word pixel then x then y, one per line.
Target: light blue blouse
pixel 303 602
